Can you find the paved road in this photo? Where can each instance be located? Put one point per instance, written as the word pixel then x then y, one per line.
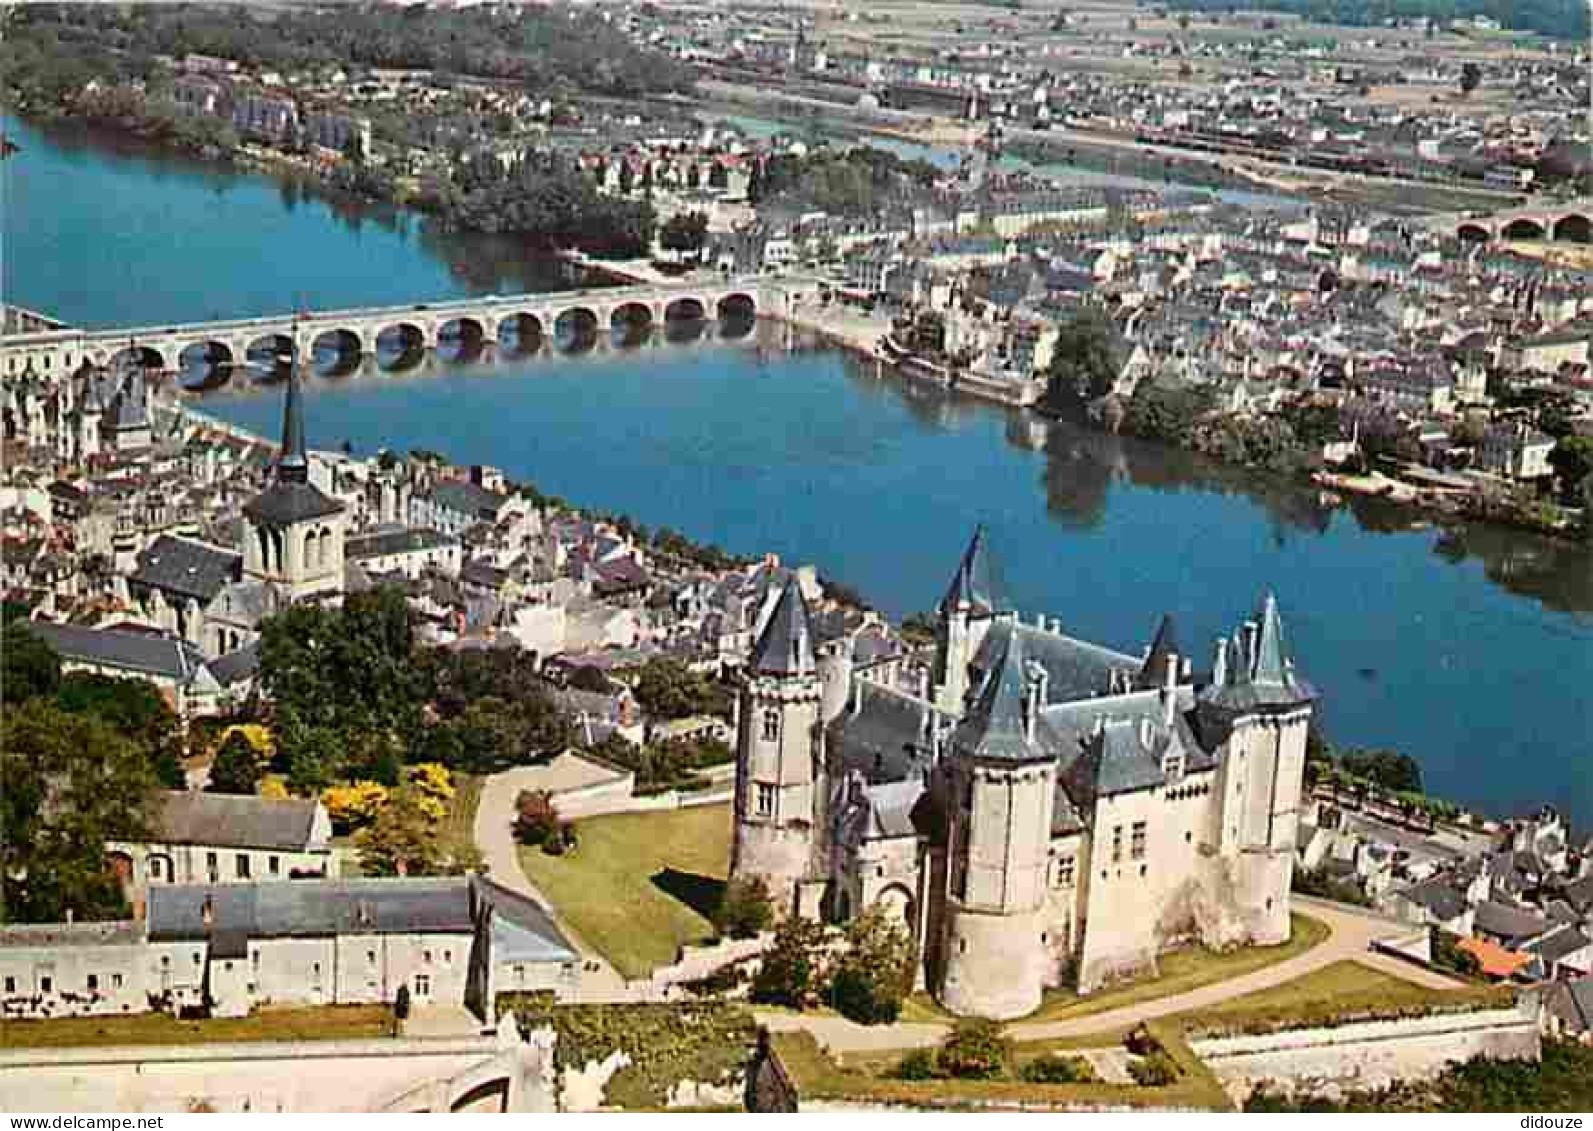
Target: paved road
pixel 495 837
pixel 1351 933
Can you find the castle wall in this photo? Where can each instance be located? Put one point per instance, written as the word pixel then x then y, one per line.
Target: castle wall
pixel 995 964
pixel 1143 896
pixel 1371 1054
pixel 1066 898
pixel 779 780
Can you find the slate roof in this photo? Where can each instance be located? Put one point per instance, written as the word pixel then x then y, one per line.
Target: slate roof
pixel 886 738
pixel 1558 944
pixel 238 665
pixel 995 727
pixel 1442 899
pixel 786 645
pixel 234 821
pixel 312 908
pixel 1075 669
pixel 522 929
pixel 1579 893
pixel 186 568
pixel 1163 647
pixel 381 543
pixel 468 499
pixel 119 933
pixel 1508 923
pixel 973 584
pixel 1572 1001
pixel 1247 682
pixel 130 651
pixel 284 503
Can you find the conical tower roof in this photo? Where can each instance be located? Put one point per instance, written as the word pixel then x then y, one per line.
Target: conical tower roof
pixel 995 727
pixel 973 585
pixel 1164 645
pixel 1265 679
pixel 785 647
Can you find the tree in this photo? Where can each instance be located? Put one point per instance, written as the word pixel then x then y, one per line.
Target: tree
pixel 355 805
pixel 536 821
pixel 745 908
pixel 1397 772
pixel 1085 361
pixel 684 233
pixel 792 966
pixel 1470 78
pixel 668 689
pixel 405 840
pixel 31 667
pixel 237 767
pixel 135 709
pixel 68 784
pixel 875 974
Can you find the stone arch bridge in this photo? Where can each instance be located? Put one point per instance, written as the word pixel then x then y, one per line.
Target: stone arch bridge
pixel 1566 222
pixel 479 326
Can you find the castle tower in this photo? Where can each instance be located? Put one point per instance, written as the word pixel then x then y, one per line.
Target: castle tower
pixel 1264 709
pixel 294 533
pixel 780 777
pixel 1001 780
pixel 966 613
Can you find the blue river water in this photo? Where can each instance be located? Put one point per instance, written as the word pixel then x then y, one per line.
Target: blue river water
pixel 1470 648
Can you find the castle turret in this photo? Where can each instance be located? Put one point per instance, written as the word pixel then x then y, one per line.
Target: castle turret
pixel 780 776
pixel 1001 779
pixel 966 612
pixel 1264 709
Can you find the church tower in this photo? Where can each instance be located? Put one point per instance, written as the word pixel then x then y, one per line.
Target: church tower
pixel 966 613
pixel 1001 783
pixel 293 532
pixel 1264 709
pixel 780 777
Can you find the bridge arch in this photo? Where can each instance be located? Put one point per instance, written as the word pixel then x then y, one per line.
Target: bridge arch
pixel 400 346
pixel 267 358
pixel 206 364
pixel 145 356
pixel 488 1096
pixel 575 329
pixel 737 306
pixel 1524 228
pixel 521 334
pixel 461 340
pixel 1473 232
pixel 688 308
pixel 631 323
pixel 336 352
pixel 1574 227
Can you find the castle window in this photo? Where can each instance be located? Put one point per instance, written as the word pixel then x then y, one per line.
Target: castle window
pixel 765 799
pixel 274 864
pixel 116 981
pixel 1066 872
pixel 11 985
pixel 1117 843
pixel 93 983
pixel 241 865
pixel 1137 848
pixel 771 726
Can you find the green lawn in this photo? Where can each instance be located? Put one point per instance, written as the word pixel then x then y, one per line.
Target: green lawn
pixel 639 885
pixel 1185 970
pixel 340 1022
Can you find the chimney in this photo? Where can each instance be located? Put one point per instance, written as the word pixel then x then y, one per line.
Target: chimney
pixel 857 695
pixel 1033 698
pixel 923 684
pixel 1170 689
pixel 1252 634
pixel 1219 667
pixel 207 913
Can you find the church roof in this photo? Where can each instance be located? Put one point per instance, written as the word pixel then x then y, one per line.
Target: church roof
pixel 786 645
pixel 234 821
pixel 284 503
pixel 293 464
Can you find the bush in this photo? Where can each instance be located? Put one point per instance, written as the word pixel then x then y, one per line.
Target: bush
pixel 1142 1042
pixel 536 820
pixel 975 1050
pixel 875 974
pixel 745 908
pixel 916 1065
pixel 1447 954
pixel 1058 1070
pixel 792 965
pixel 1154 1071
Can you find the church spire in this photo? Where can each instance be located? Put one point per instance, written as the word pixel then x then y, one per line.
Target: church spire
pixel 786 645
pixel 972 586
pixel 293 464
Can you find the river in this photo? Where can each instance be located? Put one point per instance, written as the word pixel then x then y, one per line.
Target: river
pixel 1472 650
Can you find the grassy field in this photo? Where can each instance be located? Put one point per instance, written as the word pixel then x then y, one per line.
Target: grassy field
pixel 328 1023
pixel 1185 970
pixel 639 885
